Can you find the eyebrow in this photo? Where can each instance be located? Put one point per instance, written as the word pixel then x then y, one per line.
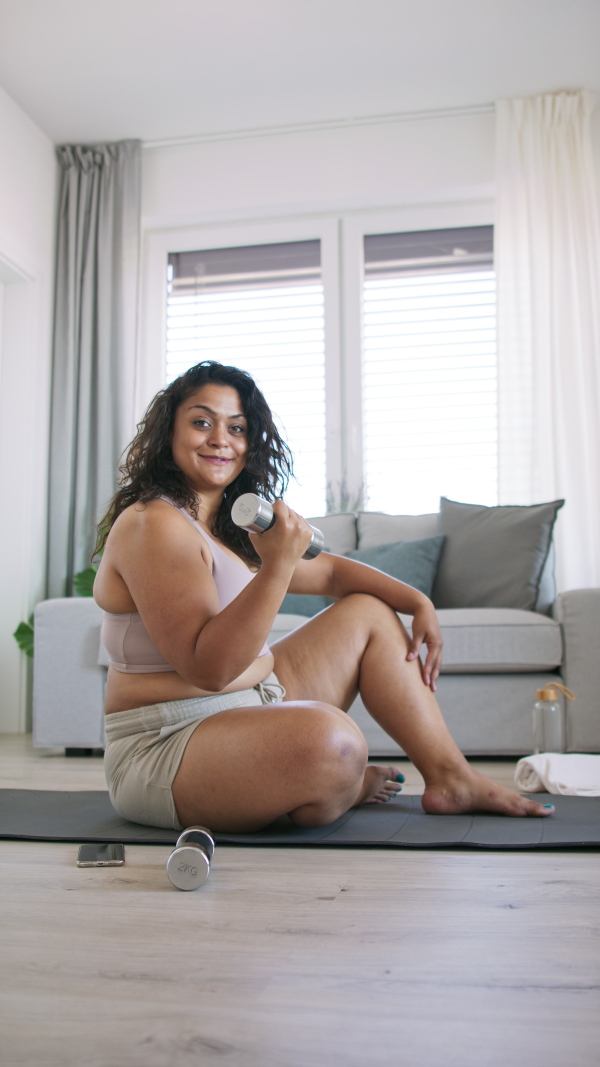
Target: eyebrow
pixel 215 413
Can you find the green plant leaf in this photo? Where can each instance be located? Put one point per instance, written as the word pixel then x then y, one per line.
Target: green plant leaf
pixel 83 583
pixel 23 635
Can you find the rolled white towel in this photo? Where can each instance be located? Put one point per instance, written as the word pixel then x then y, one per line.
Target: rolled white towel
pixel 568 774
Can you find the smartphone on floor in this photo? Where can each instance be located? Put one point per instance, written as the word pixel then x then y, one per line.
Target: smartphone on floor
pixel 109 854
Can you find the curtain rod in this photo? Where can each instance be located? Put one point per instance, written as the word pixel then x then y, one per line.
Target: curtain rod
pixel 316 127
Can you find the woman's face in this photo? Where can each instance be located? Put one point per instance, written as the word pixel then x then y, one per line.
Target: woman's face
pixel 210 437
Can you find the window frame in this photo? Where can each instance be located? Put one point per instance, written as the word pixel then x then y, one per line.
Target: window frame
pixel 153 333
pixel 354 229
pixel 342 261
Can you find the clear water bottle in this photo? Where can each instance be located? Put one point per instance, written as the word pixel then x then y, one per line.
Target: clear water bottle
pixel 549 733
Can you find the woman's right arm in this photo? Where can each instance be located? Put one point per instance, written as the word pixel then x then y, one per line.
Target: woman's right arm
pixel 164 565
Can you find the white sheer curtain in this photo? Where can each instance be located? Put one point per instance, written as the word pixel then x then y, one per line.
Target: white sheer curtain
pixel 547 255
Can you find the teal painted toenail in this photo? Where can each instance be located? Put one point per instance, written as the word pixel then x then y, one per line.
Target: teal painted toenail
pixel 548 805
pixel 400 778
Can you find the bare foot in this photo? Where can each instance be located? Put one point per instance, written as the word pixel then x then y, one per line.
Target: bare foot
pixel 475 792
pixel 380 784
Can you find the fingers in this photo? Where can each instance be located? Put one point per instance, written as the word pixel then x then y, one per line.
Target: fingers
pixel 280 508
pixel 290 533
pixel 283 512
pixel 433 660
pixel 433 664
pixel 415 646
pixel 425 630
pixel 432 671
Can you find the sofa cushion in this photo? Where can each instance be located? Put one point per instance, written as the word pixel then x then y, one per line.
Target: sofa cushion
pixel 303 604
pixel 493 556
pixel 497 641
pixel 339 531
pixel 483 640
pixel 376 528
pixel 413 562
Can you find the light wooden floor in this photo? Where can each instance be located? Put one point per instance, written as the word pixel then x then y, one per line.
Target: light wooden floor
pixel 330 958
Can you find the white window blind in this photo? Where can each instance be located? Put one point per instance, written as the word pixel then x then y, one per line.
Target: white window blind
pixel 260 308
pixel 429 369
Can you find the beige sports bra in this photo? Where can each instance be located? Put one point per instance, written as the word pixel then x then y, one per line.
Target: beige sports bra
pixel 127 642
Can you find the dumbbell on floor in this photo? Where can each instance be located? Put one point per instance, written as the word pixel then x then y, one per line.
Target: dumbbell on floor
pixel 188 866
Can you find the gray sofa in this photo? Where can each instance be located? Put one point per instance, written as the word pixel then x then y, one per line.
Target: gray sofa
pixel 495 657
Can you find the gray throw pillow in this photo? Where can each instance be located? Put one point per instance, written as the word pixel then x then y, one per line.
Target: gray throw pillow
pixel 377 528
pixel 306 603
pixel 339 531
pixel 493 557
pixel 413 562
pixel 303 604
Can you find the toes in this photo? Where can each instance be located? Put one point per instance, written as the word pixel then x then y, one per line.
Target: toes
pixel 385 784
pixel 394 775
pixel 391 774
pixel 539 809
pixel 388 792
pixel 524 807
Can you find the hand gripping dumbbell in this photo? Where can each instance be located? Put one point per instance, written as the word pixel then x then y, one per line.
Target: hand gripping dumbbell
pixel 256 515
pixel 188 866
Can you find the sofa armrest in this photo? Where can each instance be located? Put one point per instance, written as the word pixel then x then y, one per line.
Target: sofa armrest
pixel 578 612
pixel 68 682
pixel 283 624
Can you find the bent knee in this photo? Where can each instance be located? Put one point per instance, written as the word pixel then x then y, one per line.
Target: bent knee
pixel 333 741
pixel 365 604
pixel 372 611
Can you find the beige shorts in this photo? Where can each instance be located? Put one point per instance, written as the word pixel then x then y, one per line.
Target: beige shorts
pixel 144 748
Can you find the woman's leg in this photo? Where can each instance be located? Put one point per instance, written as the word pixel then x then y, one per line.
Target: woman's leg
pixel 244 767
pixel 359 644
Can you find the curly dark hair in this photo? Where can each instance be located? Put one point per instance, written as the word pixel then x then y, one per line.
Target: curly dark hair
pixel 150 471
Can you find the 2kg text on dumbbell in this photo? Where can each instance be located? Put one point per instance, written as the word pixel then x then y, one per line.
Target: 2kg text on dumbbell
pixel 188 866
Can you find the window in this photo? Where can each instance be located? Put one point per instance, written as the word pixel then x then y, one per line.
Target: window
pixel 382 378
pixel 429 369
pixel 260 307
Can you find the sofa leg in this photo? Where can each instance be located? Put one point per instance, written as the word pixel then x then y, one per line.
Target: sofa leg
pixel 84 752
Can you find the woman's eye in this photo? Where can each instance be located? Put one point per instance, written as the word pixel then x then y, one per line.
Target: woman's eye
pixel 238 429
pixel 201 422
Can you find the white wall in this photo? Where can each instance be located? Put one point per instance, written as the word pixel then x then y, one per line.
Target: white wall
pixel 28 181
pixel 335 170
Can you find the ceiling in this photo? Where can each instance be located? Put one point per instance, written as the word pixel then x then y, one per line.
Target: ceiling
pixel 167 69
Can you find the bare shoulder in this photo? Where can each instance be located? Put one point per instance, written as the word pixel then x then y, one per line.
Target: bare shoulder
pixel 149 520
pixel 144 529
pixel 145 516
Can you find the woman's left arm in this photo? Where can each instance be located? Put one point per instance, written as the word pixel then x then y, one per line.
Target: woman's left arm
pixel 337 576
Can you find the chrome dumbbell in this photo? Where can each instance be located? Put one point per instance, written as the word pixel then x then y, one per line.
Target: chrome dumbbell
pixel 188 866
pixel 256 515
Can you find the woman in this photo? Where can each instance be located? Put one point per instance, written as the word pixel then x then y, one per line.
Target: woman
pixel 207 724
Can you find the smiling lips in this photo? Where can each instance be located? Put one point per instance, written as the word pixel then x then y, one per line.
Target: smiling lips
pixel 216 459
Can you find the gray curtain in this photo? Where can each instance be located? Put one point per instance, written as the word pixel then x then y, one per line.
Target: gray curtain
pixel 95 326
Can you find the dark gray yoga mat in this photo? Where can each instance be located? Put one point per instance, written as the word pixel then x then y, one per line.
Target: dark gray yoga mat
pixel 35 815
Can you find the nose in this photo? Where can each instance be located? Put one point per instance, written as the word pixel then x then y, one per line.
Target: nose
pixel 218 435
